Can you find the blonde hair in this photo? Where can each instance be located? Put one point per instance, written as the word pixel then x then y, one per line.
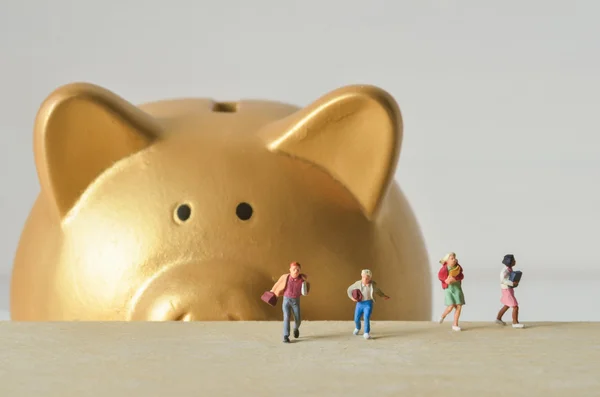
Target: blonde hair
pixel 446 257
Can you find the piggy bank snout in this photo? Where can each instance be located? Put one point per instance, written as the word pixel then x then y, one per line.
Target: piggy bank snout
pixel 193 292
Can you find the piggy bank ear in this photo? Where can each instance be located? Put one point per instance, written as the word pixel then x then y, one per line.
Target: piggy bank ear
pixel 354 133
pixel 80 131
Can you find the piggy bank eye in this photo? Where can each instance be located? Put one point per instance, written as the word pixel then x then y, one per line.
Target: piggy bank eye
pixel 244 211
pixel 183 212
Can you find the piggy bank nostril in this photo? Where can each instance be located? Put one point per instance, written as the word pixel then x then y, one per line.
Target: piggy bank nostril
pixel 184 317
pixel 225 107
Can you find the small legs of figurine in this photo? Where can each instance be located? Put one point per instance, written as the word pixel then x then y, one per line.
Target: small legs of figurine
pixel 457 310
pixel 286 339
pixel 291 305
pixel 363 309
pixel 515 316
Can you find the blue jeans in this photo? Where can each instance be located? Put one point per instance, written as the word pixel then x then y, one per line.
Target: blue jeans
pixel 363 308
pixel 294 305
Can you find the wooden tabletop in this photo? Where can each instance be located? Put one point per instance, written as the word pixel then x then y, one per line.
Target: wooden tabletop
pixel 230 358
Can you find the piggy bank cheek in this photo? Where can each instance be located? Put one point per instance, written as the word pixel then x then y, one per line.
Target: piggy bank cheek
pixel 107 253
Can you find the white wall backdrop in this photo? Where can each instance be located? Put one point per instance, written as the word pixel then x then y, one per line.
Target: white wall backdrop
pixel 500 103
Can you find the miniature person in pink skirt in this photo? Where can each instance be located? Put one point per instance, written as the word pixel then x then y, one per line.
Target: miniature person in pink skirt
pixel 508 293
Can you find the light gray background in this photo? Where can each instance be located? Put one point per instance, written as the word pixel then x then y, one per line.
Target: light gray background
pixel 500 102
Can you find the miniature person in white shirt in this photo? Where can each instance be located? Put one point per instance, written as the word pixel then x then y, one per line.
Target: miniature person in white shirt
pixel 508 299
pixel 368 289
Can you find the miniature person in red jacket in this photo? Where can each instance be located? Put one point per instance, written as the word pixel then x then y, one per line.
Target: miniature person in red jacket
pixel 291 285
pixel 451 276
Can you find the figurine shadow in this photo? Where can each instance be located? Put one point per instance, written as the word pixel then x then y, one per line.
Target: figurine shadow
pixel 402 334
pixel 478 326
pixel 323 336
pixel 493 326
pixel 376 335
pixel 544 324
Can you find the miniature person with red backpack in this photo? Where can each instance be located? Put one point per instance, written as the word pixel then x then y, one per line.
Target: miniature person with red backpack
pixel 451 276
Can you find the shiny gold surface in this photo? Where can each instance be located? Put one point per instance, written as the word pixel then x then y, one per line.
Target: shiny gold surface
pixel 104 242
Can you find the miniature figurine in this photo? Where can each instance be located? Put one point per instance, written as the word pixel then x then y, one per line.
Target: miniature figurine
pixel 451 276
pixel 363 293
pixel 509 280
pixel 291 285
pixel 151 212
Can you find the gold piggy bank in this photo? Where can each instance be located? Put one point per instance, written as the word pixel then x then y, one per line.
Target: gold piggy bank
pixel 189 209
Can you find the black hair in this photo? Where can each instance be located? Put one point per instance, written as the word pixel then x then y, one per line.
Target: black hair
pixel 509 260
